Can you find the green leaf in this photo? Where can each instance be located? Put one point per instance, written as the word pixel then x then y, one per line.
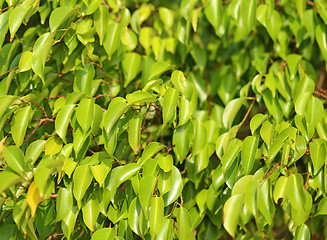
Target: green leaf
pixel 176 189
pixel 321 7
pixel 83 80
pixel 302 233
pixel 121 174
pixel 273 106
pixel 97 119
pixel 150 150
pixel 265 202
pixel 181 139
pixel 82 179
pixel 63 119
pixel 69 221
pixel 200 137
pixel 128 38
pixel 59 15
pixel 248 15
pixel 231 110
pixel 314 110
pixel 296 192
pixel 139 96
pixel 274 149
pixel 130 66
pixel 5 102
pixel 322 207
pixel 185 111
pixel 184 224
pixel 134 132
pixel 16 18
pixel 25 61
pixel 318 155
pixel 104 234
pixel 267 132
pixel 292 63
pixel 20 123
pixel 169 104
pixel 249 149
pixel 321 36
pixel 166 163
pixel 158 68
pixel 64 203
pixel 41 51
pixel 231 213
pixel 280 190
pixel 229 157
pixel 85 113
pixel 156 215
pixel 115 110
pixel 8 179
pixel 112 39
pixel 147 184
pixel 91 210
pixel 100 172
pixel 214 13
pixel 274 24
pixel 257 121
pixel 135 217
pixel 53 145
pixel 101 22
pixel 183 85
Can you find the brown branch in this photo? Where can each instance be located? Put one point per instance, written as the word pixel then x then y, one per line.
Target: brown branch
pixel 4 9
pixel 320 94
pixel 246 115
pixel 103 95
pixel 66 30
pixel 41 122
pixel 55 97
pixel 8 71
pixel 51 196
pixel 43 110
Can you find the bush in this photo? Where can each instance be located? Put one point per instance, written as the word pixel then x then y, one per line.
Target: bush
pixel 163 119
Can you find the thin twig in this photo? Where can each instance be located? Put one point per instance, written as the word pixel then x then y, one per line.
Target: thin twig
pixel 41 122
pixel 4 9
pixel 246 115
pixel 43 110
pixel 8 71
pixel 66 30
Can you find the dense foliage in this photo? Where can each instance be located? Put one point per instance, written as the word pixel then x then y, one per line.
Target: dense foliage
pixel 189 119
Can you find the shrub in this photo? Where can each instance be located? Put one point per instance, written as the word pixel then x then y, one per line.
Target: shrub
pixel 163 119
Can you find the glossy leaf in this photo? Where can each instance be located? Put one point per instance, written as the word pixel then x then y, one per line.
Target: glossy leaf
pixel 104 234
pixel 112 39
pixel 184 225
pixel 91 211
pixel 14 158
pixel 64 203
pixel 231 213
pixel 296 192
pixel 181 139
pixel 82 179
pixel 131 66
pixel 145 192
pixel 62 122
pixel 249 149
pixel 59 15
pixel 19 127
pixel 231 110
pixel 33 198
pixel 85 113
pixel 176 189
pixel 8 179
